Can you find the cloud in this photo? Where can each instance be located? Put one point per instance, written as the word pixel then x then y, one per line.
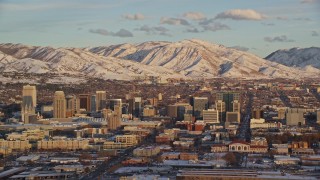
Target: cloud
pixel 240 48
pixel 282 18
pixel 314 33
pixel 174 21
pixel 123 33
pixel 137 16
pixel 308 1
pixel 104 32
pixel 194 15
pixel 241 14
pixel 154 30
pixel 100 31
pixel 44 5
pixel 302 19
pixel 216 27
pixel 268 24
pixel 282 38
pixel 193 30
pixel 212 25
pixel 206 21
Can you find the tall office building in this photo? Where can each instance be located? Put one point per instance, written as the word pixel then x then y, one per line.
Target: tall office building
pixel 221 108
pixel 211 116
pixel 114 118
pixel 135 106
pixel 231 103
pixel 101 98
pixel 199 104
pixel 160 96
pixel 73 105
pixel 178 110
pixel 114 102
pixel 281 113
pixel 59 105
pixel 228 98
pixel 236 106
pixel 153 101
pixel 257 113
pixel 29 102
pixel 172 111
pixel 85 102
pixel 93 103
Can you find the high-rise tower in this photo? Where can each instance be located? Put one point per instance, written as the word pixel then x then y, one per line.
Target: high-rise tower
pixel 100 100
pixel 29 102
pixel 59 105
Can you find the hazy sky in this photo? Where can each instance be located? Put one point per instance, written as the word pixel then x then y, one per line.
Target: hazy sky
pixel 259 26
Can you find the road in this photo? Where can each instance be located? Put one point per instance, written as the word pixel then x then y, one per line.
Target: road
pixel 316 94
pixel 102 168
pixel 284 98
pixel 244 132
pixel 101 172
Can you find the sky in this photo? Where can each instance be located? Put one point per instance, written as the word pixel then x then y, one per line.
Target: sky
pixel 257 26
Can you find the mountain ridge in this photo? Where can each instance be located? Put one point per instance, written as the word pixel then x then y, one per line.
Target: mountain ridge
pixel 187 59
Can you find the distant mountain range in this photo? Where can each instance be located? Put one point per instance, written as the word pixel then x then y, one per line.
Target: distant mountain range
pixel 297 57
pixel 189 59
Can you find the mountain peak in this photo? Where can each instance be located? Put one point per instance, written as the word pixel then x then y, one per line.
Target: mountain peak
pixel 297 57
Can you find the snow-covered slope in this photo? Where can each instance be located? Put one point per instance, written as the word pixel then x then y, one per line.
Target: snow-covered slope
pixel 30 59
pixel 297 57
pixel 196 58
pixel 184 59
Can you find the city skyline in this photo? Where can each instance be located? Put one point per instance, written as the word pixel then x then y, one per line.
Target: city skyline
pixel 257 27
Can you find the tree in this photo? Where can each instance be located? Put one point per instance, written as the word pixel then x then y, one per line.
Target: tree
pixel 87 170
pixel 85 156
pixel 231 159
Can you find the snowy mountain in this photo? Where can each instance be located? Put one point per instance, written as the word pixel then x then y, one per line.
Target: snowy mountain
pixel 297 57
pixel 31 59
pixel 196 58
pixel 184 59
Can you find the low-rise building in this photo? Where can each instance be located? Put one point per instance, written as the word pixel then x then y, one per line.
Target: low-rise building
pixel 163 138
pixel 310 160
pixel 239 146
pixel 30 134
pixel 286 160
pixel 65 144
pixel 217 148
pixel 298 151
pixel 188 156
pixel 260 123
pixel 280 148
pixel 170 156
pixel 183 144
pixel 135 161
pixel 149 111
pixel 78 168
pixel 5 151
pixel 146 151
pixel 18 145
pixel 64 160
pixel 121 142
pixel 28 158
